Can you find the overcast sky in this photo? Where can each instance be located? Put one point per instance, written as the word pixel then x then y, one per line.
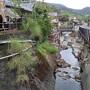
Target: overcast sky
pixel 76 4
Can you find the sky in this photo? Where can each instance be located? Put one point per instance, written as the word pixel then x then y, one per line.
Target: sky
pixel 75 4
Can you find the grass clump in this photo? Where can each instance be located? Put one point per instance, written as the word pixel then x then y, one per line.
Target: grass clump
pixel 21 64
pixel 15 45
pixel 31 26
pixel 46 48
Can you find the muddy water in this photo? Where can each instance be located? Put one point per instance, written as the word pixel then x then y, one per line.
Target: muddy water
pixel 68 78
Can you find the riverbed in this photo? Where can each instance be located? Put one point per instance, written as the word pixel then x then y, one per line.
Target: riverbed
pixel 68 77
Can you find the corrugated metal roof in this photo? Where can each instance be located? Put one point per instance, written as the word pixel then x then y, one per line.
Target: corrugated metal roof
pixel 10 13
pixel 85 27
pixel 8 3
pixel 25 6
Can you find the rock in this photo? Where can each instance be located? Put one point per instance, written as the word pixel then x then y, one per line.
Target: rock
pixel 63 64
pixel 66 65
pixel 65 72
pixel 66 77
pixel 69 43
pixel 64 43
pixel 78 80
pixel 61 75
pixel 78 41
pixel 75 53
pixel 58 71
pixel 75 68
pixel 64 47
pixel 77 77
pixel 60 62
pixel 73 34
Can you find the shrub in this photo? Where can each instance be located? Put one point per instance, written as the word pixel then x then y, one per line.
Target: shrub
pixel 49 48
pixel 31 26
pixel 46 48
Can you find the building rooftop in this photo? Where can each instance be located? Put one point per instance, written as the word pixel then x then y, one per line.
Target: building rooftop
pixel 28 6
pixel 85 27
pixel 10 13
pixel 54 14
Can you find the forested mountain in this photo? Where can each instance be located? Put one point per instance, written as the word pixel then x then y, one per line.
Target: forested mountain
pixel 83 11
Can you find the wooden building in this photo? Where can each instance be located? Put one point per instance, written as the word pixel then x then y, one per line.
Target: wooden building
pixel 10 20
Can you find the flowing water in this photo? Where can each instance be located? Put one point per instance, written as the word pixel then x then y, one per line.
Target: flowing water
pixel 68 78
pixel 65 79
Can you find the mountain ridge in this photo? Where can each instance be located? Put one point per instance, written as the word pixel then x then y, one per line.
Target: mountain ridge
pixel 83 11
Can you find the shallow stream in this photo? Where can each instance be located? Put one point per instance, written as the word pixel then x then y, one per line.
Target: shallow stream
pixel 68 78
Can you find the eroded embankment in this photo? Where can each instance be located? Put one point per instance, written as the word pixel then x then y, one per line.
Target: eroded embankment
pixel 41 79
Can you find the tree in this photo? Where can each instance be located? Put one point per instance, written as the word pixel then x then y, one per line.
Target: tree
pixel 40 14
pixel 64 18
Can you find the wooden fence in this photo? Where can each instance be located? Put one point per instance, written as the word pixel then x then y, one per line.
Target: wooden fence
pixel 9 25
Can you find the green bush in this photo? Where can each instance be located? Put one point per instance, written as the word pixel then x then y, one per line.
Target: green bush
pixel 46 48
pixel 31 26
pixel 49 47
pixel 35 28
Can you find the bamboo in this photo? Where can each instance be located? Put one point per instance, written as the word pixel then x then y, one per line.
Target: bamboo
pixel 13 55
pixel 21 41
